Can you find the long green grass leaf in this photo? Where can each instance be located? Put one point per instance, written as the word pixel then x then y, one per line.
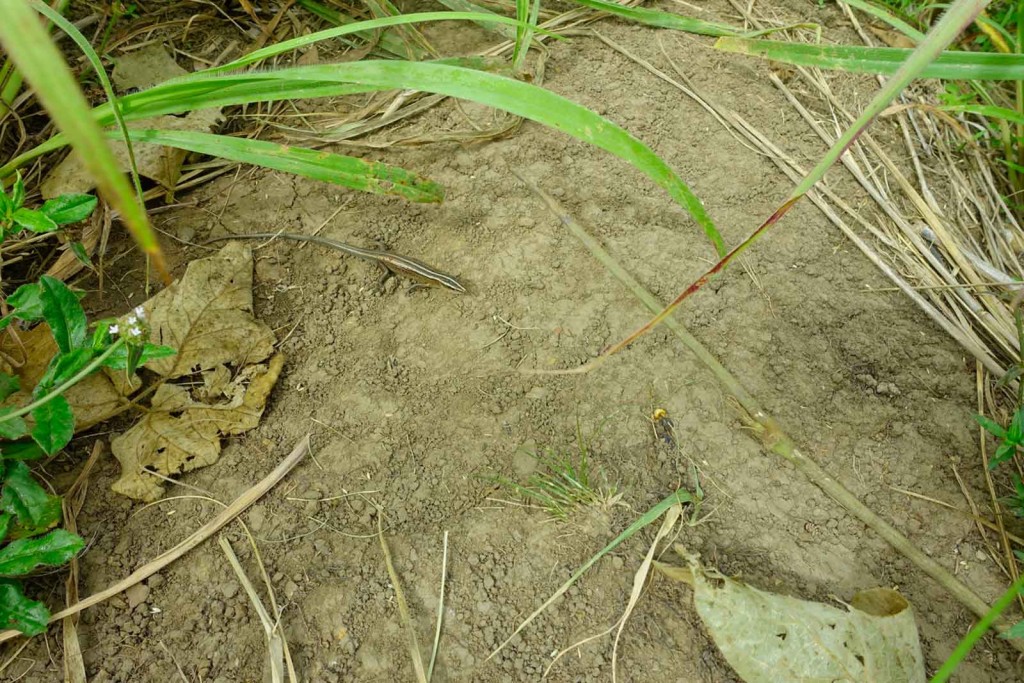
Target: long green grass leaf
pixel 97 66
pixel 991 112
pixel 516 97
pixel 680 496
pixel 653 17
pixel 499 28
pixel 35 55
pixel 887 17
pixel 387 43
pixel 362 26
pixel 367 176
pixel 521 99
pixel 952 66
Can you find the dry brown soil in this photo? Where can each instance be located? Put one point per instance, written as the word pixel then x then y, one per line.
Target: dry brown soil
pixel 418 400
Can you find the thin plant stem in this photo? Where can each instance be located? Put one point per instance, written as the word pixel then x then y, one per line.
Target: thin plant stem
pixel 60 389
pixel 768 431
pixel 959 15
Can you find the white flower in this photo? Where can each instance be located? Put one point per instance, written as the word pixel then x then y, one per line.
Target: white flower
pixel 131 320
pixel 140 312
pixel 135 332
pixel 113 329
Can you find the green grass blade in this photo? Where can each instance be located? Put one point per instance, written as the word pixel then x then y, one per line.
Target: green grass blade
pixel 523 41
pixel 991 112
pixel 466 6
pixel 980 629
pixel 387 42
pixel 884 15
pixel 362 26
pixel 27 43
pixel 97 65
pixel 366 176
pixel 521 99
pixel 952 66
pixel 653 17
pixel 679 497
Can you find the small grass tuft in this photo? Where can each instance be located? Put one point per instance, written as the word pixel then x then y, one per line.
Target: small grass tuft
pixel 565 481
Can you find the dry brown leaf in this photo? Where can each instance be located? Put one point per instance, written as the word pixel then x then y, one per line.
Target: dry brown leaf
pixel 767 637
pixel 179 434
pixel 207 316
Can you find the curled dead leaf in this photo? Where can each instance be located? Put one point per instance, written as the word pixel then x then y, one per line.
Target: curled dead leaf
pixel 180 434
pixel 207 317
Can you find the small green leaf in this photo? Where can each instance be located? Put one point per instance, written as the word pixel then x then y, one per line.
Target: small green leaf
pixel 118 360
pixel 991 426
pixel 1015 432
pixel 51 514
pixel 33 220
pixel 62 368
pixel 27 302
pixel 69 208
pixel 1015 631
pixel 1012 374
pixel 18 612
pixel 52 550
pixel 101 338
pixel 63 313
pixel 55 424
pixel 5 523
pixel 13 427
pixel 1004 452
pixel 78 249
pixel 18 192
pixel 23 497
pixel 20 450
pixel 8 385
pixel 6 207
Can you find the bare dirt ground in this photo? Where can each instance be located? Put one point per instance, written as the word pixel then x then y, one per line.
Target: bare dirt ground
pixel 417 400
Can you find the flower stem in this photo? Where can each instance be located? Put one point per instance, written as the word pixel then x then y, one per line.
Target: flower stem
pixel 57 391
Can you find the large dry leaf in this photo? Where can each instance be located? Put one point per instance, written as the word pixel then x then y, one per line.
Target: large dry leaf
pixel 768 638
pixel 179 434
pixel 207 316
pixel 138 69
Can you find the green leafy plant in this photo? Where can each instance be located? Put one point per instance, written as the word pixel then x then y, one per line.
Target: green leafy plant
pixel 1010 438
pixel 28 514
pixel 27 517
pixel 62 210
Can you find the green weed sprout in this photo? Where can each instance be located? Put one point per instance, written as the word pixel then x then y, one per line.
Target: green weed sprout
pixel 564 482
